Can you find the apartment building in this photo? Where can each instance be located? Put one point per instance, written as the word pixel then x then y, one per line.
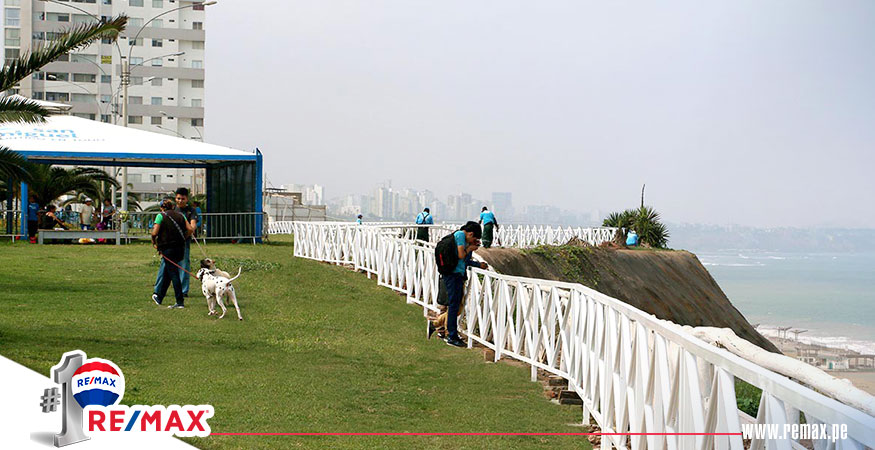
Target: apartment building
pixel 165 41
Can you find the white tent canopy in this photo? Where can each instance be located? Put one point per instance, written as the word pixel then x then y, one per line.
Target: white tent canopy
pixel 73 140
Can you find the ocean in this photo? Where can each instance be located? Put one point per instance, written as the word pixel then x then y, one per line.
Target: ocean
pixel 832 295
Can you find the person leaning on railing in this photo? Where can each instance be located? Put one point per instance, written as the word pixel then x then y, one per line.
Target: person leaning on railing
pixel 467 240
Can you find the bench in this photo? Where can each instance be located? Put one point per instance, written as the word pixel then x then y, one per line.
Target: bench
pixel 79 234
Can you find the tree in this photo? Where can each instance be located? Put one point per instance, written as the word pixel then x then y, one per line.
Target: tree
pixel 13 166
pixel 105 193
pixel 645 221
pixel 49 183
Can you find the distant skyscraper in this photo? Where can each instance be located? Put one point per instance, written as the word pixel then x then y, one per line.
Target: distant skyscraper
pixel 502 204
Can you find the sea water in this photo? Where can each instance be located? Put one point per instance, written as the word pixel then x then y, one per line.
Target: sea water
pixel 831 295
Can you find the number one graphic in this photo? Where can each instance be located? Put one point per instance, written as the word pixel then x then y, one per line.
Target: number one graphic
pixel 71 412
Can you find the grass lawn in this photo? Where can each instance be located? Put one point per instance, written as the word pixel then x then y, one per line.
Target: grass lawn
pixel 321 349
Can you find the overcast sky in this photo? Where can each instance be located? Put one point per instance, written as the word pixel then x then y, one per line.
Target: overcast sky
pixel 746 112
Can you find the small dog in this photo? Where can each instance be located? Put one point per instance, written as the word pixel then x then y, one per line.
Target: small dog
pixel 208 263
pixel 215 287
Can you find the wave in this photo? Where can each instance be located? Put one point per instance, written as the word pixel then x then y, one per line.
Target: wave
pixel 733 264
pixel 837 342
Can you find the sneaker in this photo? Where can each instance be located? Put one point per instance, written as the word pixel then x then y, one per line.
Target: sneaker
pixel 431 329
pixel 456 342
pixel 442 335
pixel 155 299
pixel 176 306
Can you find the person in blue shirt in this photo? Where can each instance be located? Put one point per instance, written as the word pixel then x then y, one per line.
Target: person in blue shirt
pixel 487 218
pixel 32 217
pixel 424 218
pixel 198 211
pixel 467 240
pixel 358 219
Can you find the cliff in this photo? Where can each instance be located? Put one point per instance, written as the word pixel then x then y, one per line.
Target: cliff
pixel 672 285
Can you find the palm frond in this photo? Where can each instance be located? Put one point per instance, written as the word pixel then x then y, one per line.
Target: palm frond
pixel 13 165
pixel 21 110
pixel 79 36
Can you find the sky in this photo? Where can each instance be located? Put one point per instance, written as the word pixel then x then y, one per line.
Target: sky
pixel 744 112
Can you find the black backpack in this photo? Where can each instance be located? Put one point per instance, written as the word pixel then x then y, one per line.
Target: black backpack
pixel 446 255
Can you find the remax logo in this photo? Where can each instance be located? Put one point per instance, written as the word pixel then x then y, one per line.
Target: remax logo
pixel 98 382
pixel 94 387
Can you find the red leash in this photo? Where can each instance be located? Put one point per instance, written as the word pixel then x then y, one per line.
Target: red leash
pixel 177 265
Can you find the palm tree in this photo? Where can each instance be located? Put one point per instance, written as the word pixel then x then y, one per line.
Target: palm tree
pixel 48 183
pixel 104 192
pixel 20 109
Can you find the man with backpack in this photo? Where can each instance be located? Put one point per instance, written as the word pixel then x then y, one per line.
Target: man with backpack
pixel 453 256
pixel 424 218
pixel 168 237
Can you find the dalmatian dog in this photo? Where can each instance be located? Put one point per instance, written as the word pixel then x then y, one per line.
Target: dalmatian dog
pixel 215 287
pixel 208 263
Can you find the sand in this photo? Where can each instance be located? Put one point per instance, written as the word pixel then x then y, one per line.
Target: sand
pixel 862 380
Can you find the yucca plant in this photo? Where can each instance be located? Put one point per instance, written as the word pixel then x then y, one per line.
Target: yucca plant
pixel 22 110
pixel 644 220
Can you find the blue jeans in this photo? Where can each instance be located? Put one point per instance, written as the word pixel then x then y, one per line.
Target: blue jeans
pixel 186 264
pixel 170 274
pixel 455 283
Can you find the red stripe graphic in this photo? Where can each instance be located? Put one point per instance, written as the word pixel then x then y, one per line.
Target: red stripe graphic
pixel 475 434
pixel 95 365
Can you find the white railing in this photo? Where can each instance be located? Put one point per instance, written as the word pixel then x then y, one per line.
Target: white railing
pixel 518 236
pixel 634 372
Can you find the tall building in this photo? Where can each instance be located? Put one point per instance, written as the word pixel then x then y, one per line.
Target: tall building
pixel 502 204
pixel 166 92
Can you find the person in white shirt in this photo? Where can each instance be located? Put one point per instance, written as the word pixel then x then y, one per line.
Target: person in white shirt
pixel 86 216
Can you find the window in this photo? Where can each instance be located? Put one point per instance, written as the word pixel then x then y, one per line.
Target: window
pixel 197 122
pixel 82 18
pixel 136 81
pixel 84 116
pixel 105 119
pixel 39 36
pixel 39 76
pixel 197 83
pixel 65 57
pixel 82 98
pixel 57 17
pixel 135 22
pixel 135 119
pixel 52 35
pixel 13 37
pixel 105 98
pixel 84 78
pixel 135 42
pixel 57 76
pixel 12 2
pixel 136 60
pixel 198 7
pixel 156 120
pixel 135 100
pixel 197 103
pixel 197 25
pixel 85 1
pixel 156 101
pixel 106 78
pixel 57 96
pixel 83 57
pixel 157 43
pixel 138 3
pixel 37 95
pixel 157 62
pixel 158 23
pixel 197 45
pixel 155 178
pixel 13 17
pixel 11 54
pixel 157 3
pixel 106 40
pixel 157 81
pixel 197 64
pixel 107 2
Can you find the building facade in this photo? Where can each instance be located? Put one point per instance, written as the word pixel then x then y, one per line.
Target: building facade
pixel 167 58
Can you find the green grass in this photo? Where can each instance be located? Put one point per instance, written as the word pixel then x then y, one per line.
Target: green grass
pixel 321 349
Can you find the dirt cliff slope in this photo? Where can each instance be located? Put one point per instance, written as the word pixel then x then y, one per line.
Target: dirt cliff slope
pixel 672 285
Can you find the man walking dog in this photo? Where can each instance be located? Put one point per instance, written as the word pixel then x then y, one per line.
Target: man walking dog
pixel 168 237
pixel 191 219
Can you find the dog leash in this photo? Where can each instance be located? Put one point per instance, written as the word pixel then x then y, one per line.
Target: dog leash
pixel 177 265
